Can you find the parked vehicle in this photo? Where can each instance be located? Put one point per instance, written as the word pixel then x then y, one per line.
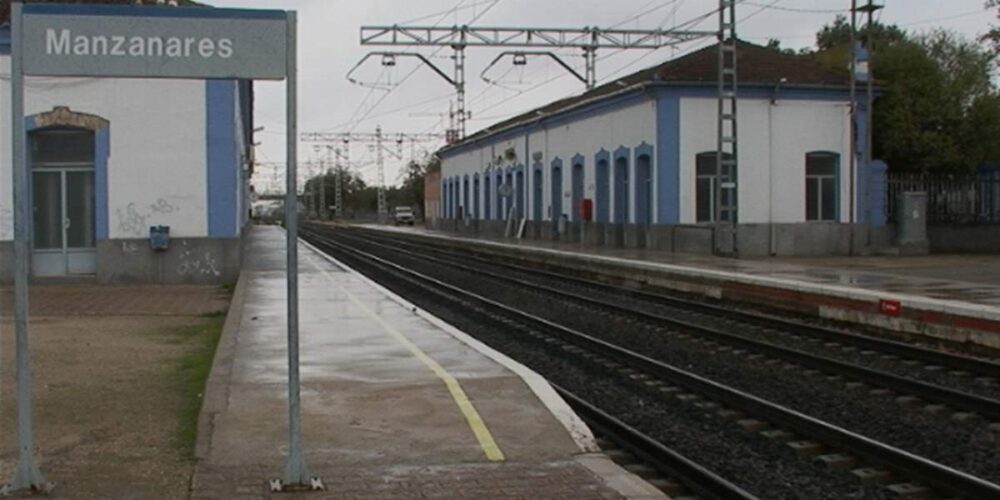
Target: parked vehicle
pixel 403 215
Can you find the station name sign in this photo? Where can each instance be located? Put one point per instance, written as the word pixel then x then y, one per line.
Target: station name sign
pixel 153 42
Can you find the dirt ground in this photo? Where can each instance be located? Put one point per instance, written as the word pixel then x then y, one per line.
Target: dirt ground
pixel 111 374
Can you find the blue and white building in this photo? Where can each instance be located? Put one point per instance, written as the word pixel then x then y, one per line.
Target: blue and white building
pixel 110 158
pixel 642 149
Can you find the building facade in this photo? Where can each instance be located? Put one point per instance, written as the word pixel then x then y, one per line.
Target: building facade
pixel 109 159
pixel 642 152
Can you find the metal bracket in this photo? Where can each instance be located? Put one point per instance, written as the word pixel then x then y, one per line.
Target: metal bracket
pixel 8 489
pixel 524 53
pixel 279 486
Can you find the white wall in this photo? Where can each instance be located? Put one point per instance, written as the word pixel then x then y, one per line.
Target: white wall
pixel 773 142
pixel 157 167
pixel 626 126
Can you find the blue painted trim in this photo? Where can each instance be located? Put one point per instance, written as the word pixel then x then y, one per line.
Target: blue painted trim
pixel 151 11
pixel 643 149
pixel 222 160
pixel 578 160
pixel 879 186
pixel 668 170
pixel 621 152
pixel 102 151
pixel 4 41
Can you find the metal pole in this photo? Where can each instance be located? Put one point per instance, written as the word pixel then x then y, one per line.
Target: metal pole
pixel 853 114
pixel 380 160
pixel 324 165
pixel 27 476
pixel 869 136
pixel 460 86
pixel 295 467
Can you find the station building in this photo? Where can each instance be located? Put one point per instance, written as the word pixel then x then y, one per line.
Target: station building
pixel 642 149
pixel 111 158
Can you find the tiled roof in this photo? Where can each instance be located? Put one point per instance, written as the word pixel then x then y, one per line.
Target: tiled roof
pixel 5 5
pixel 756 65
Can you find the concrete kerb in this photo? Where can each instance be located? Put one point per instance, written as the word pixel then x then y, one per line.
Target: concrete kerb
pixel 576 428
pixel 216 395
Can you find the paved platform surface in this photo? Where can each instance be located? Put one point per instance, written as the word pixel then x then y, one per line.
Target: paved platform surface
pixel 974 279
pixel 394 404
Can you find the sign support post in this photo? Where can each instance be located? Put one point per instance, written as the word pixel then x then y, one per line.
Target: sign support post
pixel 86 41
pixel 27 476
pixel 295 468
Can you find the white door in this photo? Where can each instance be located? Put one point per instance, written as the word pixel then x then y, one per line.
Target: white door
pixel 64 236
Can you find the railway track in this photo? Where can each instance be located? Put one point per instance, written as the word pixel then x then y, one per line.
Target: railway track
pixel 663 378
pixel 985 407
pixel 989 370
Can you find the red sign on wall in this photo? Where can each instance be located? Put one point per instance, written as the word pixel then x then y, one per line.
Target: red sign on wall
pixel 890 307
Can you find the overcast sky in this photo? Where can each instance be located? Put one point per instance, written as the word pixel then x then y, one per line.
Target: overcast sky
pixel 329 47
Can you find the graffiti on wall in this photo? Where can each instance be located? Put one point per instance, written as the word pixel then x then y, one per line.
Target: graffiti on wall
pixel 197 262
pixel 134 219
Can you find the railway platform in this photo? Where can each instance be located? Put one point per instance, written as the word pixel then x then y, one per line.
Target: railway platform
pixel 395 402
pixel 951 298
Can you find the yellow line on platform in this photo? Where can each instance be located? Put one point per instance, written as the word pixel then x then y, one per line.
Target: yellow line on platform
pixel 483 435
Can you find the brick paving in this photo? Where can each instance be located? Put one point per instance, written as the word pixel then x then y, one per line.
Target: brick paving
pixel 104 300
pixel 504 481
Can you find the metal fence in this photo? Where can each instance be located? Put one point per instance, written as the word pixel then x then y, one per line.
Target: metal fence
pixel 952 199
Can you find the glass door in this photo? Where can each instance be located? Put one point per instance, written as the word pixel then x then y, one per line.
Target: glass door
pixel 64 232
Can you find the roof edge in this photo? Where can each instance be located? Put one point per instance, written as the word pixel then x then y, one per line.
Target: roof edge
pixel 638 87
pixel 542 116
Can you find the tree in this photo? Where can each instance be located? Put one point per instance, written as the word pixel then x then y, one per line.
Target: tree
pixel 936 108
pixel 839 33
pixel 994 34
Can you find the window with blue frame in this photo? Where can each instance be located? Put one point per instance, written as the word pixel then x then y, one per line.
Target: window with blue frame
pixel 821 186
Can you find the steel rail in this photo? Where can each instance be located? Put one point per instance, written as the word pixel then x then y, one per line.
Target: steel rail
pixel 981 405
pixel 957 362
pixel 662 458
pixel 936 475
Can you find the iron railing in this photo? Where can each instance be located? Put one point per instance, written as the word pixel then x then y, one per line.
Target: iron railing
pixel 951 199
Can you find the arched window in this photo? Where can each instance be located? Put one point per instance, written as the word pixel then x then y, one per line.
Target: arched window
pixel 576 192
pixel 487 197
pixel 537 193
pixel 707 176
pixel 496 189
pixel 557 208
pixel 603 195
pixel 621 190
pixel 822 170
pixel 519 191
pixel 465 197
pixel 643 191
pixel 475 196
